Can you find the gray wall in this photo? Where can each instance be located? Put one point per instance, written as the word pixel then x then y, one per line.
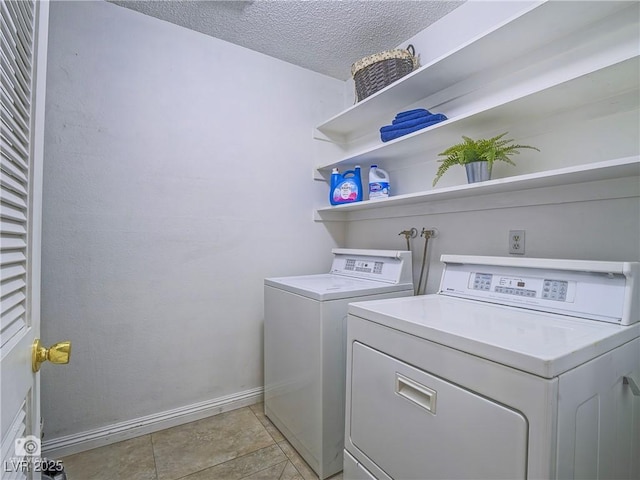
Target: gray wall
pixel 177 176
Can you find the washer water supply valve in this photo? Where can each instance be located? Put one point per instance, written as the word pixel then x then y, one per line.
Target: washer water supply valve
pixel 408 234
pixel 432 233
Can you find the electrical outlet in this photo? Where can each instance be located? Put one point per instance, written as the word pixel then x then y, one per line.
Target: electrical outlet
pixel 516 242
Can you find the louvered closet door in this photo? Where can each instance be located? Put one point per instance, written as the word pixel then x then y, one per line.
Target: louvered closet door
pixel 23 36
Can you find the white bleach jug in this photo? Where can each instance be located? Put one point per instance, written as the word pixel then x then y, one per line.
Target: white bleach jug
pixel 378 183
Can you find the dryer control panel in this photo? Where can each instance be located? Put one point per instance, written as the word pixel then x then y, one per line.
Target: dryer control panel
pixel 604 291
pixel 528 287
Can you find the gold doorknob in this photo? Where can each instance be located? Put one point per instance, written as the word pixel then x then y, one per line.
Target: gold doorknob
pixel 57 353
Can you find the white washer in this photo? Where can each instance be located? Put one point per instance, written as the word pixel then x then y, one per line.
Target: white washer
pixel 517 368
pixel 305 347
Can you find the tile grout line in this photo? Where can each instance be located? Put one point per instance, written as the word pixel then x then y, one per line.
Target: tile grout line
pixel 153 452
pixel 267 468
pixel 232 460
pixel 290 460
pixel 226 461
pixel 278 444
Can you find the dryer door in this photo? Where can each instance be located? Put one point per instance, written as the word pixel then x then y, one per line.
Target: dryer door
pixel 414 425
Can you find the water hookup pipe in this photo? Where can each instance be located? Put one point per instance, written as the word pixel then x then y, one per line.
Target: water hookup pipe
pixel 427 234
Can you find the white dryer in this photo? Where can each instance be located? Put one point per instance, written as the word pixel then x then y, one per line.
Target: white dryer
pixel 305 347
pixel 516 369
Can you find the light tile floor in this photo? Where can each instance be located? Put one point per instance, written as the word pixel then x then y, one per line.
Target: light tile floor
pixel 241 444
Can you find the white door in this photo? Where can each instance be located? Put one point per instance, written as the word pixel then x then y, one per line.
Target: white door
pixel 23 28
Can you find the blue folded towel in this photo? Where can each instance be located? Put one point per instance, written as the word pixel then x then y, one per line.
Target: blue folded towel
pixel 413 112
pixel 412 116
pixel 413 122
pixel 387 135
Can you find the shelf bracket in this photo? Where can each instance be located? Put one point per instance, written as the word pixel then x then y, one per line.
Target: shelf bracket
pixel 633 385
pixel 318 135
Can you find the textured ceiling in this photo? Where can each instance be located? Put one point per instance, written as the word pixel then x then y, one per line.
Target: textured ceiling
pixel 326 36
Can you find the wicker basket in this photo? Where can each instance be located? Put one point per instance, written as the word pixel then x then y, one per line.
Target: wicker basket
pixel 375 72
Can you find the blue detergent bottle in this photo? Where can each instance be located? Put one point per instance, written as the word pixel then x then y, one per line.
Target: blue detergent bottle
pixel 346 187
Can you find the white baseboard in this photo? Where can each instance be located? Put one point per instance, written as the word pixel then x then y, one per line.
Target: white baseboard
pixel 56 448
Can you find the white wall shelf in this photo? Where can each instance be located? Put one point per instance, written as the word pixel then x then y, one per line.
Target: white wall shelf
pixel 553 65
pixel 628 167
pixel 533 28
pixel 589 87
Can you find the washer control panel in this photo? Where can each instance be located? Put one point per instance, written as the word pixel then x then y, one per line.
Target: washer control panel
pixel 387 266
pixel 366 266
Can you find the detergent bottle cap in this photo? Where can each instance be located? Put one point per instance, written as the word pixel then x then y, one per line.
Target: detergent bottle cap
pixel 335 170
pixel 374 166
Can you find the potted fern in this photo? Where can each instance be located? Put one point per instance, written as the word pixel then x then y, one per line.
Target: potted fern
pixel 478 156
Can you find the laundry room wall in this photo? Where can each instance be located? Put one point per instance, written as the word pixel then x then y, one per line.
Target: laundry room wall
pixel 178 175
pixel 555 225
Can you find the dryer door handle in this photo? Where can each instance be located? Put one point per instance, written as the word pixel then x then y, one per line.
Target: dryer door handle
pixel 633 385
pixel 415 392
